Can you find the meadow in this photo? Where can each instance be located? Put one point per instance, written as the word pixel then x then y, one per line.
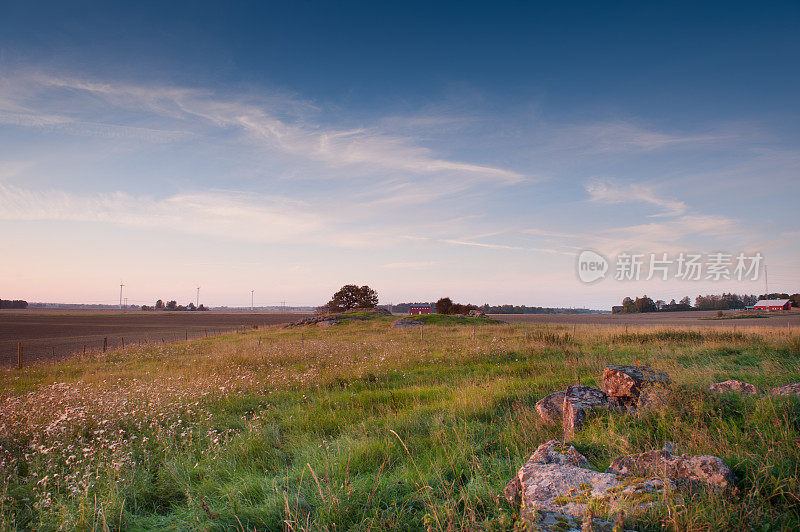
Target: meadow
pixel 362 427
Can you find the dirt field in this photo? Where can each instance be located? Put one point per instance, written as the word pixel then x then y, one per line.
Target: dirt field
pixel 669 319
pixel 49 334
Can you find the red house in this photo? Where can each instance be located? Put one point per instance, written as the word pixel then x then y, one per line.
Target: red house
pixel 773 304
pixel 415 310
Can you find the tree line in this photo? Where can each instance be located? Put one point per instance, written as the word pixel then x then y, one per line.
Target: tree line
pixel 13 303
pixel 173 305
pixel 724 301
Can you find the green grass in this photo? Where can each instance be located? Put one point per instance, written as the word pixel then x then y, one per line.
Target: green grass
pixel 362 427
pixel 445 319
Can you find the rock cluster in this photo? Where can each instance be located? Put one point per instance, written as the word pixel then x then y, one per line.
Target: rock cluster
pixel 623 387
pixel 476 313
pixel 556 485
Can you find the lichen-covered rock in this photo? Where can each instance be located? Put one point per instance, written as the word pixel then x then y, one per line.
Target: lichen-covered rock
pixel 403 323
pixel 557 480
pixel 579 401
pixel 551 407
pixel 788 390
pixel 654 398
pixel 734 386
pixel 476 313
pixel 629 381
pixel 705 469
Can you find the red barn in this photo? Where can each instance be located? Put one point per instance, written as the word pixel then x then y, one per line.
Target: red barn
pixel 415 310
pixel 773 304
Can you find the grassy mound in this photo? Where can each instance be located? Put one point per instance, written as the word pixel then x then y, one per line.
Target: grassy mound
pixel 445 319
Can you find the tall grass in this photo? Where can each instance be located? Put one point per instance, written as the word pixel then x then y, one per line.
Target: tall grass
pixel 364 427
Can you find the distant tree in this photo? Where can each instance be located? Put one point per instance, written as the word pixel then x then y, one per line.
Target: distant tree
pixel 172 305
pixel 353 296
pixel 686 301
pixel 443 305
pixel 644 304
pixel 201 307
pixel 191 306
pixel 660 304
pixel 159 305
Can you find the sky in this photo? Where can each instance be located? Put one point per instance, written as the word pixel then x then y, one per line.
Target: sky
pixel 427 149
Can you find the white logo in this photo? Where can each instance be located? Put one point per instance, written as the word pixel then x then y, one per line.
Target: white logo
pixel 591 266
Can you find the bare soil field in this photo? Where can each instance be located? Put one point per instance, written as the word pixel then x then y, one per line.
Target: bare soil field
pixel 55 334
pixel 702 318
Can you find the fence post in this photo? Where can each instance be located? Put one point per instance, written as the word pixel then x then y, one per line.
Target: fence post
pixel 84 349
pixel 105 344
pixel 422 333
pixel 123 342
pixel 187 335
pixel 19 355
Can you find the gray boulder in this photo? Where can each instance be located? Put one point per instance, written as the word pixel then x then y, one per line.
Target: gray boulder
pixel 403 323
pixel 579 402
pixel 627 382
pixel 734 386
pixel 788 390
pixel 556 480
pixel 551 407
pixel 682 469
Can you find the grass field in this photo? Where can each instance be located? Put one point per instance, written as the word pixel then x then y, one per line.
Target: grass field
pixel 363 427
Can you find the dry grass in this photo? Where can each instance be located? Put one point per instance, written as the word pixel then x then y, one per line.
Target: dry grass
pixel 365 427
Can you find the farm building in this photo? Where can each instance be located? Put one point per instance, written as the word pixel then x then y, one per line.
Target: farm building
pixel 773 304
pixel 415 310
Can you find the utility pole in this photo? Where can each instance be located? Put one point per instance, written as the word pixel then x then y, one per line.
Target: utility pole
pixel 252 298
pixel 120 294
pixel 283 306
pixel 766 282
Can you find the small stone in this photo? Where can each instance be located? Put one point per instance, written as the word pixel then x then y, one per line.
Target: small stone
pixel 551 407
pixel 579 401
pixel 629 381
pixel 788 390
pixel 705 469
pixel 734 386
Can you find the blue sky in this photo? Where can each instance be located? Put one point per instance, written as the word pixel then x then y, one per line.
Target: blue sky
pixel 461 149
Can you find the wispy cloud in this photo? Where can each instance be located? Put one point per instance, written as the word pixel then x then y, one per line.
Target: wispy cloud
pixel 409 265
pixel 216 213
pixel 481 244
pixel 614 193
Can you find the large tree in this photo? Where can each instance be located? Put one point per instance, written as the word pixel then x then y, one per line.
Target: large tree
pixel 353 296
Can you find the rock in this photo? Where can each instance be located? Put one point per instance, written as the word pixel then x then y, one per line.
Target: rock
pixel 788 390
pixel 734 386
pixel 476 314
pixel 556 480
pixel 704 469
pixel 579 401
pixel 627 382
pixel 402 323
pixel 328 323
pixel 654 398
pixel 551 407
